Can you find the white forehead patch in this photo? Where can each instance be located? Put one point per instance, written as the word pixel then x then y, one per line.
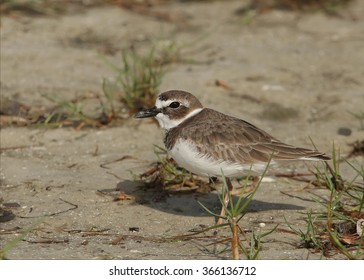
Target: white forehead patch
pixel 161 103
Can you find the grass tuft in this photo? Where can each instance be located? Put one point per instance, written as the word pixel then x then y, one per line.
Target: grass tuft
pixel 137 80
pixel 173 178
pixel 250 245
pixel 338 228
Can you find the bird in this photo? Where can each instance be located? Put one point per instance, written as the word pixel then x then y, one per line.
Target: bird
pixel 209 143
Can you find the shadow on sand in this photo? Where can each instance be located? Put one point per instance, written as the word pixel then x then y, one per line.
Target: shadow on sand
pixel 186 203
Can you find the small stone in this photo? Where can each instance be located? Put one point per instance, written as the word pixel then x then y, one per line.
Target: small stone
pixel 344 131
pixel 134 229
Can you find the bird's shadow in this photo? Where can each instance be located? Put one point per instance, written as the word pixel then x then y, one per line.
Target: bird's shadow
pixel 186 204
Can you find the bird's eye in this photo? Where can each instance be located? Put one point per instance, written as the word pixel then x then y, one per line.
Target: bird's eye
pixel 174 105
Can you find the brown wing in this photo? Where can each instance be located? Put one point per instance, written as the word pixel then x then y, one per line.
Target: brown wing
pixel 236 140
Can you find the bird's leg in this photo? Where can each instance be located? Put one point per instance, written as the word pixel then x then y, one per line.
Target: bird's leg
pixel 226 200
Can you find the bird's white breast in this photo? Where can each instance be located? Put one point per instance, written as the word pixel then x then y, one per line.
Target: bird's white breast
pixel 187 156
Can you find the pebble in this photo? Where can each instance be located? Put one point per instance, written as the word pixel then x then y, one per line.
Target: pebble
pixel 344 131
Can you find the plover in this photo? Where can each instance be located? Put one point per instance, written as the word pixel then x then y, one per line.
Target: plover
pixel 209 143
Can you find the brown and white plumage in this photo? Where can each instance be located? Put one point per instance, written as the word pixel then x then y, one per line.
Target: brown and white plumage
pixel 207 142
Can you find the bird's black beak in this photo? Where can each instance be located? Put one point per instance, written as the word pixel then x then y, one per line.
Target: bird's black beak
pixel 152 112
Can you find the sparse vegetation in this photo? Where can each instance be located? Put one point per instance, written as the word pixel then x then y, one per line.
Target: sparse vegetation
pixel 137 80
pixel 44 7
pixel 337 228
pixel 329 232
pixel 51 7
pixel 31 7
pixel 250 245
pixel 331 7
pixel 134 86
pixel 15 241
pixel 173 179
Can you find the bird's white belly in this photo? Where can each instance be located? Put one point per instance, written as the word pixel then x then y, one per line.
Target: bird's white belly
pixel 187 156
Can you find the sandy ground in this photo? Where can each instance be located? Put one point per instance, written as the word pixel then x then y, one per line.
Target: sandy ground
pixel 310 65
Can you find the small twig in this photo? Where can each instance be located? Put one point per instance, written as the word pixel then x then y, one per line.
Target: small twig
pixel 74 206
pixel 151 171
pixel 116 176
pixel 2 149
pixel 85 231
pixel 97 234
pixel 291 174
pixel 294 196
pixel 227 239
pixel 103 165
pixel 10 231
pixel 243 233
pixel 47 241
pixel 286 231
